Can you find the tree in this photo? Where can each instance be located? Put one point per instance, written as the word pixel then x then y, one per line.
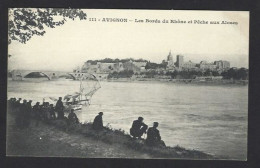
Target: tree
pixel 24 23
pixel 237 74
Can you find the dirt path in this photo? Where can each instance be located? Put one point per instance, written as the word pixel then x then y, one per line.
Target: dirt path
pixel 49 141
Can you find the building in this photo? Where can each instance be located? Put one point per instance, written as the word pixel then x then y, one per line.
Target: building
pixel 207 66
pixel 101 67
pixel 109 67
pixel 179 61
pixel 134 66
pixel 170 63
pixel 222 65
pixel 189 65
pixel 139 64
pixel 90 68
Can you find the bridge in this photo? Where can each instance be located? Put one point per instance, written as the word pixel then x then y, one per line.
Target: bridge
pixel 50 75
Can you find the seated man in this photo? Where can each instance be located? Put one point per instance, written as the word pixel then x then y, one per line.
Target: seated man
pixel 72 118
pixel 98 122
pixel 153 136
pixel 138 128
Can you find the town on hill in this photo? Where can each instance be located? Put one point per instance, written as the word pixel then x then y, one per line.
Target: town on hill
pixel 168 69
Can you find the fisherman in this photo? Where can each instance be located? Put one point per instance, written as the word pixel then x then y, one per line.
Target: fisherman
pixel 138 128
pixel 98 122
pixel 18 113
pixel 11 102
pixel 27 114
pixel 52 112
pixel 37 113
pixel 17 103
pixel 46 110
pixel 59 108
pixel 21 116
pixel 153 136
pixel 72 118
pixel 42 108
pixel 17 106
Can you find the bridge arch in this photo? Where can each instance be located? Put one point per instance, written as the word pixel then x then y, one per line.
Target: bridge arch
pixel 37 73
pixel 74 78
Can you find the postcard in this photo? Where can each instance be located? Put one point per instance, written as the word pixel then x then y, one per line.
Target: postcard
pixel 139 84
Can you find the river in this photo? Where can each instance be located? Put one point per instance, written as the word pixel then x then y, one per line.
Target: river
pixel 212 119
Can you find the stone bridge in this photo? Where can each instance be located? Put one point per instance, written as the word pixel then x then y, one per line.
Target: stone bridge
pixel 50 75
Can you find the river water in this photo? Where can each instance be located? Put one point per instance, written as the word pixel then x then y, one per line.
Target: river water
pixel 212 119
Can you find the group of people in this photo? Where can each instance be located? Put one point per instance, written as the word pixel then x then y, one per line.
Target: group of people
pixel 45 112
pixel 25 112
pixel 153 134
pixel 40 112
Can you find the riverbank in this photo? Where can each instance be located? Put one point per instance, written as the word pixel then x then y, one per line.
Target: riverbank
pixel 49 141
pixel 183 81
pixel 56 139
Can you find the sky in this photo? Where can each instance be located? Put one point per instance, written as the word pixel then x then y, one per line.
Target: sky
pixel 65 47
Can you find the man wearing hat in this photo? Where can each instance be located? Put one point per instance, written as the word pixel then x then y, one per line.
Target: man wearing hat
pixel 153 136
pixel 22 114
pixel 138 128
pixel 17 104
pixel 37 113
pixel 59 108
pixel 98 122
pixel 27 113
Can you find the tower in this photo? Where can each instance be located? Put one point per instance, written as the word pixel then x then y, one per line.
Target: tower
pixel 179 61
pixel 170 60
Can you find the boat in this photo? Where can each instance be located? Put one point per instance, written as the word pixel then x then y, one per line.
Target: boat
pixel 88 85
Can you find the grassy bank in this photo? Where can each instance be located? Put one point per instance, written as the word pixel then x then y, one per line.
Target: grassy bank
pixel 55 138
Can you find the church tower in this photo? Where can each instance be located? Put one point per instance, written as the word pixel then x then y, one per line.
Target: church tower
pixel 170 60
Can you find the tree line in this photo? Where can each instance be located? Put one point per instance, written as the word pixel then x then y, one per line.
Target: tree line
pixel 110 60
pixel 233 73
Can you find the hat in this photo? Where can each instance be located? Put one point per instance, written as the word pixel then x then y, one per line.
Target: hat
pixel 155 124
pixel 101 113
pixel 140 118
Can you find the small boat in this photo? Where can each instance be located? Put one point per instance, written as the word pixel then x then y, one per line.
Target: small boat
pixel 88 86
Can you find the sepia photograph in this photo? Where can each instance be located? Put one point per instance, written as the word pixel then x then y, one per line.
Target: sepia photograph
pixel 124 83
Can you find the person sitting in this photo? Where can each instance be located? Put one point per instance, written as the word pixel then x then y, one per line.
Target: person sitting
pixel 98 122
pixel 153 136
pixel 138 128
pixel 72 118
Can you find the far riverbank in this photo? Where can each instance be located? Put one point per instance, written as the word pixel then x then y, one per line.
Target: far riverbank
pixel 183 81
